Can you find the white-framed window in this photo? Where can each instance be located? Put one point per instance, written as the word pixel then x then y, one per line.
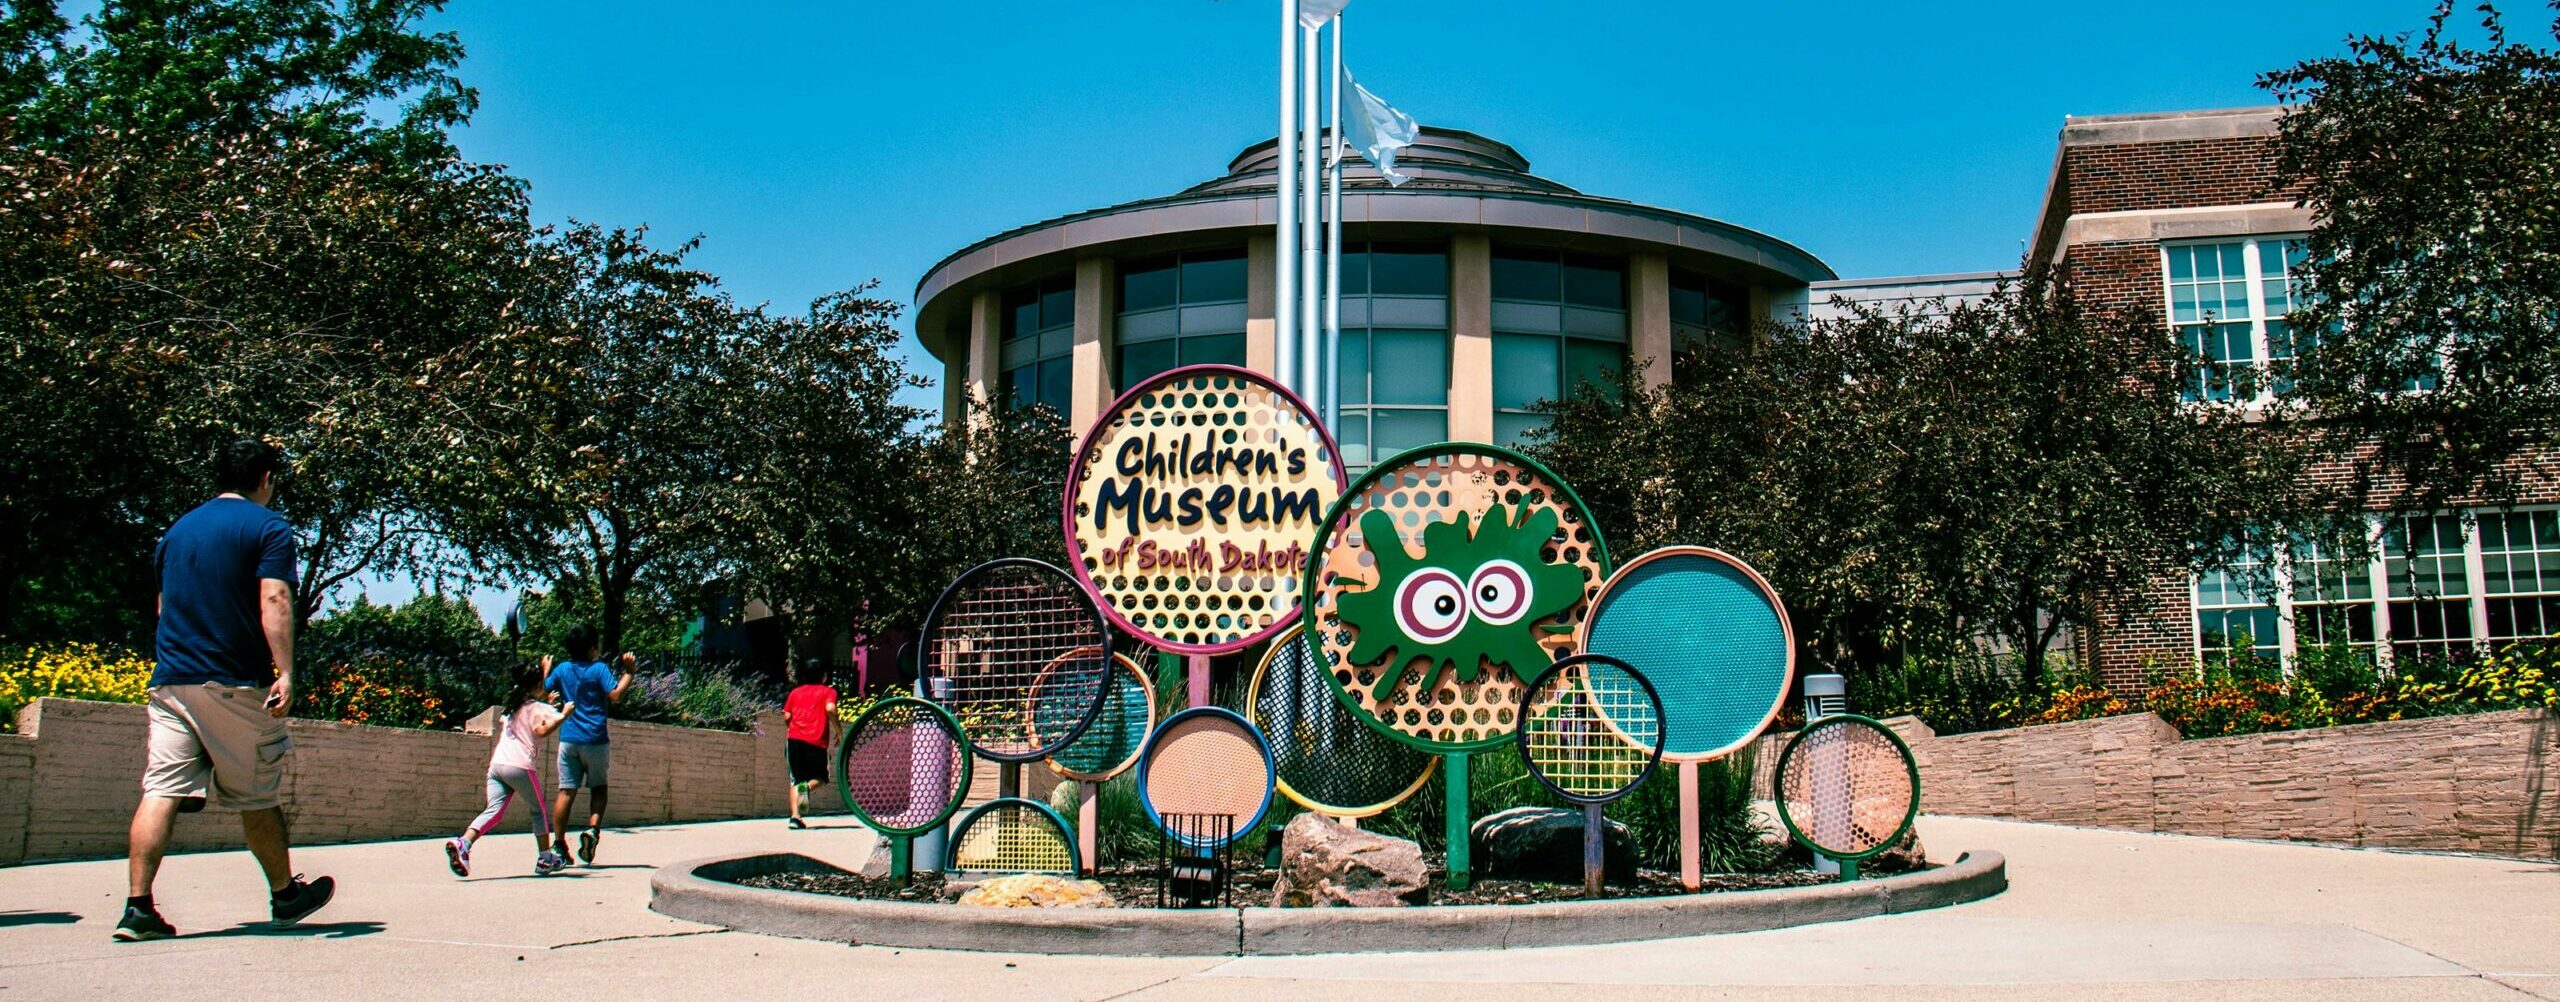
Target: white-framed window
pixel 2434 585
pixel 2227 302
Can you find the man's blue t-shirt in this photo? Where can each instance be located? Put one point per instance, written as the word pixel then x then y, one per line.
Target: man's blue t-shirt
pixel 590 685
pixel 211 563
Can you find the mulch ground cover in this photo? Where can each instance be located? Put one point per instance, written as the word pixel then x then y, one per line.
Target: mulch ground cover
pixel 1135 885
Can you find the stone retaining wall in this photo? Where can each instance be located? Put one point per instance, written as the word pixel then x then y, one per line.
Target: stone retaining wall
pixel 2487 782
pixel 70 777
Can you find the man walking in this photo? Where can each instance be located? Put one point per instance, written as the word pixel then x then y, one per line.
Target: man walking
pixel 223 682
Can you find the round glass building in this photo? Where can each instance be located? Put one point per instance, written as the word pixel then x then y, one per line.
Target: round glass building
pixel 1469 294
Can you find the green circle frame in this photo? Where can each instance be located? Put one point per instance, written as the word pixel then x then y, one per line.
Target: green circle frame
pixel 1910 766
pixel 844 776
pixel 1066 834
pixel 1333 517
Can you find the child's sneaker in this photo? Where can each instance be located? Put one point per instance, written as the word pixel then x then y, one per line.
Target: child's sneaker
pixel 457 856
pixel 549 863
pixel 587 845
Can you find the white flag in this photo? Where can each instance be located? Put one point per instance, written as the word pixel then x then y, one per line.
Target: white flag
pixel 1314 13
pixel 1378 130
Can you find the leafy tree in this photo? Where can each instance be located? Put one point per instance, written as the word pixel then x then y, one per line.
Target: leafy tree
pixel 209 233
pixel 635 428
pixel 1912 481
pixel 2433 168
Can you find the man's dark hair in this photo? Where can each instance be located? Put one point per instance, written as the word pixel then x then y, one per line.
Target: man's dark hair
pixel 813 671
pixel 238 467
pixel 583 640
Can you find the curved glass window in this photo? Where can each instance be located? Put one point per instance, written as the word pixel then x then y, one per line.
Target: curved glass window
pixel 1038 346
pixel 1395 350
pixel 1559 326
pixel 1706 316
pixel 1180 310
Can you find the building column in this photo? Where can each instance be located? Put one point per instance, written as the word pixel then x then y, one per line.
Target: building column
pixel 1261 310
pixel 986 329
pixel 1471 337
pixel 955 377
pixel 1649 319
pixel 1097 304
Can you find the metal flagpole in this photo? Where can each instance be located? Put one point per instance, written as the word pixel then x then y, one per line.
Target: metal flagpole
pixel 1332 361
pixel 1284 301
pixel 1311 245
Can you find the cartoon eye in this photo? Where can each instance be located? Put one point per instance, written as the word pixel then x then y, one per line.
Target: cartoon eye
pixel 1500 592
pixel 1431 605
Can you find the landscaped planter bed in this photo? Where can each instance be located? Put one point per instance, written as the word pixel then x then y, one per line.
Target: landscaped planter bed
pixel 721 891
pixel 1135 886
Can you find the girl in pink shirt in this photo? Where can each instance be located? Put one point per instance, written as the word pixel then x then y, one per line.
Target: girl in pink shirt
pixel 511 773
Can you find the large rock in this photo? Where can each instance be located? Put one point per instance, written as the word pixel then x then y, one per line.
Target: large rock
pixel 1324 863
pixel 1034 890
pixel 1545 843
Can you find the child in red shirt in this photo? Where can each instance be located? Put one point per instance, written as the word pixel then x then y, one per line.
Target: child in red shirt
pixel 811 712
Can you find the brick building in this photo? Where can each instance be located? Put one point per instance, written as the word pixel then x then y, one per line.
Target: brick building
pixel 2178 214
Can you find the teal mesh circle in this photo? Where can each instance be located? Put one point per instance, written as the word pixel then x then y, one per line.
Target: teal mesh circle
pixel 1710 637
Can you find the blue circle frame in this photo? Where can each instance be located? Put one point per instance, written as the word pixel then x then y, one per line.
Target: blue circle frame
pixel 1147 762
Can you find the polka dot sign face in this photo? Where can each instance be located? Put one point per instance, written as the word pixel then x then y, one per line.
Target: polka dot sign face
pixel 1447 577
pixel 1190 503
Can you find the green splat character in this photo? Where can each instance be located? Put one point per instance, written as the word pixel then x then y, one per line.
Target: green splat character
pixel 1472 600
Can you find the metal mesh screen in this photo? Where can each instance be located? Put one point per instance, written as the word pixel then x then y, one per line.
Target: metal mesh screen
pixel 1109 745
pixel 1207 761
pixel 1326 759
pixel 1846 787
pixel 1420 488
pixel 1591 729
pixel 1709 635
pixel 902 768
pixel 1017 651
pixel 1013 836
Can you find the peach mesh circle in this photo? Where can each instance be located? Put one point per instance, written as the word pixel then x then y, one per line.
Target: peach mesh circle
pixel 1208 764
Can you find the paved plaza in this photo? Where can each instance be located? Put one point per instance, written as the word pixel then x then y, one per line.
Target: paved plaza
pixel 2090 915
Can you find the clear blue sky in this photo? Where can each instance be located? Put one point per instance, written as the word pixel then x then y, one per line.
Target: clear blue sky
pixel 816 146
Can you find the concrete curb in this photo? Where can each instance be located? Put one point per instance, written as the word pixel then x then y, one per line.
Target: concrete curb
pixel 701 891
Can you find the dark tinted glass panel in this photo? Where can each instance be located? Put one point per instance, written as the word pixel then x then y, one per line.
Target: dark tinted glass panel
pixel 1408 273
pixel 1688 299
pixel 1355 272
pixel 1524 370
pixel 1147 285
pixel 1018 386
pixel 1139 361
pixel 1514 429
pixel 1057 383
pixel 1412 367
pixel 1597 282
pixel 1592 362
pixel 1212 279
pixel 1525 277
pixel 1355 368
pixel 1396 430
pixel 1058 304
pixel 1213 349
pixel 1021 312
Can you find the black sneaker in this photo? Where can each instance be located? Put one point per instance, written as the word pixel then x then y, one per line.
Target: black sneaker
pixel 141 926
pixel 587 845
pixel 300 900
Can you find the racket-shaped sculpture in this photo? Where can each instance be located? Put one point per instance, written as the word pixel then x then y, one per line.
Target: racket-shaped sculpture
pixel 1714 640
pixel 1205 780
pixel 1017 651
pixel 1107 748
pixel 1444 579
pixel 902 769
pixel 1847 788
pixel 1324 758
pixel 1591 730
pixel 1011 835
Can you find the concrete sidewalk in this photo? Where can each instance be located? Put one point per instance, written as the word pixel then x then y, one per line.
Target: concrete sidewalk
pixel 2090 915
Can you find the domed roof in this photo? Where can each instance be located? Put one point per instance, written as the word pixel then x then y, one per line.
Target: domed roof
pixel 1439 159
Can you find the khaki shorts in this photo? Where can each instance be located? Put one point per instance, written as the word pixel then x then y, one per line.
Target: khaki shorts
pixel 216 740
